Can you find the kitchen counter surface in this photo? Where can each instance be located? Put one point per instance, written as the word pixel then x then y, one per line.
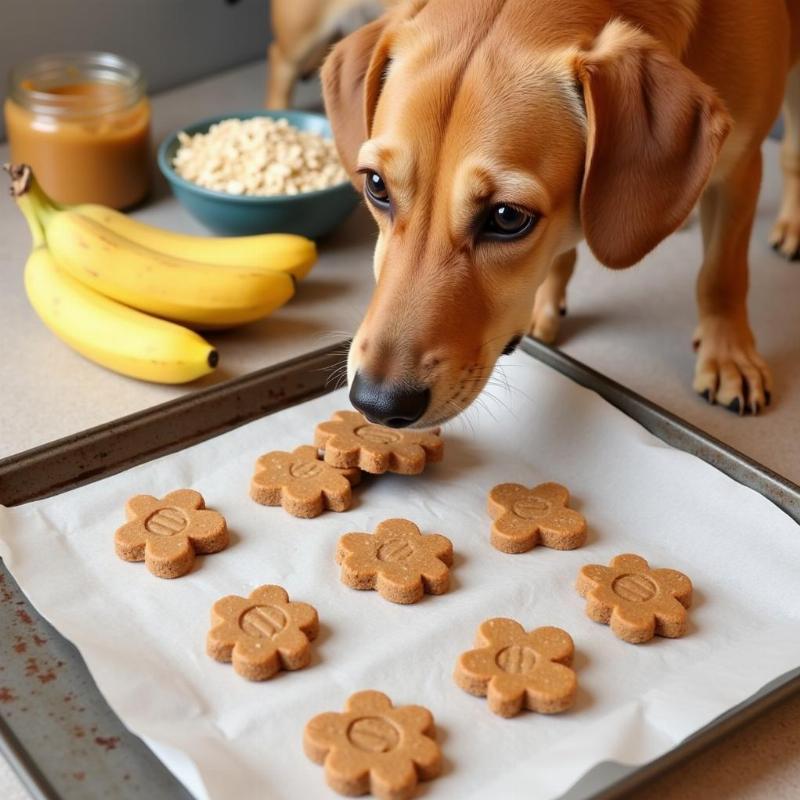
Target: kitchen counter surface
pixel 48 391
pixel 635 326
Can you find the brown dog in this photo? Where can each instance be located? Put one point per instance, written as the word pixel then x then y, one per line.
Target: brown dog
pixel 490 136
pixel 302 33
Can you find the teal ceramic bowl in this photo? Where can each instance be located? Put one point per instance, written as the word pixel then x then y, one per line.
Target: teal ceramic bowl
pixel 311 214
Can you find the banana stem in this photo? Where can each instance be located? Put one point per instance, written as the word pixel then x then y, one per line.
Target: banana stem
pixel 21 178
pixel 28 196
pixel 24 184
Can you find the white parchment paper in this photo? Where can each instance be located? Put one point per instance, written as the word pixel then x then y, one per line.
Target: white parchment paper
pixel 143 638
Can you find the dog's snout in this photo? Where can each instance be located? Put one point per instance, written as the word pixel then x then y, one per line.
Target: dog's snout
pixel 394 405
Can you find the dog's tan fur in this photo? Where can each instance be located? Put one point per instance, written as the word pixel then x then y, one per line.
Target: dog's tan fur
pixel 608 118
pixel 302 33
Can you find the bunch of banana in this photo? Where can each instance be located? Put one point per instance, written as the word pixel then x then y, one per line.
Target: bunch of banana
pixel 93 272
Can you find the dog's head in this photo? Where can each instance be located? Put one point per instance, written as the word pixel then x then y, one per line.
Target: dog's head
pixel 488 138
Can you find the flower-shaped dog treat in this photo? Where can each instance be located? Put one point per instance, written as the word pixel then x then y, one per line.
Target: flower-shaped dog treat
pixel 637 601
pixel 349 440
pixel 397 560
pixel 166 534
pixel 263 633
pixel 526 517
pixel 302 483
pixel 374 747
pixel 517 669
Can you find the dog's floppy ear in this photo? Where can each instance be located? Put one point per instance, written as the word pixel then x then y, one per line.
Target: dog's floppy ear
pixel 351 81
pixel 654 133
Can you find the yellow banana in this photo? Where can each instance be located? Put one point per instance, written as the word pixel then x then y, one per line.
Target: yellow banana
pixel 104 331
pixel 201 295
pixel 280 252
pixel 110 334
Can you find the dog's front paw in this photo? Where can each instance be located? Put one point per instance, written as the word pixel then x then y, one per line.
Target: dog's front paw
pixel 729 370
pixel 545 326
pixel 785 235
pixel 550 303
pixel 785 238
pixel 546 316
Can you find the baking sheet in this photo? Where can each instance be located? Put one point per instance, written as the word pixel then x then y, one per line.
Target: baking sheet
pixel 143 638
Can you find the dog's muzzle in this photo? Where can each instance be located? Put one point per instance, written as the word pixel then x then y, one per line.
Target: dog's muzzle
pixel 393 405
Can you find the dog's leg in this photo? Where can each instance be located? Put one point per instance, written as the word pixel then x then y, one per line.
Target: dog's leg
pixel 283 75
pixel 551 298
pixel 298 27
pixel 729 371
pixel 785 236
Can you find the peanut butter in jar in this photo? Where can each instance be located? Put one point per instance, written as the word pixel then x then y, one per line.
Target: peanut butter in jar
pixel 82 121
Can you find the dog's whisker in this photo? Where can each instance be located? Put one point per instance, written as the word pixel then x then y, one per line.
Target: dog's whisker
pixel 508 335
pixel 480 404
pixel 336 336
pixel 503 405
pixel 337 376
pixel 513 390
pixel 491 385
pixel 334 370
pixel 469 422
pixel 503 386
pixel 461 416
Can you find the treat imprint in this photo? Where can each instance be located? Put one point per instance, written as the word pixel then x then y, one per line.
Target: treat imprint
pixel 262 633
pixel 526 517
pixel 302 483
pixel 349 440
pixel 637 602
pixel 397 560
pixel 166 534
pixel 516 669
pixel 374 747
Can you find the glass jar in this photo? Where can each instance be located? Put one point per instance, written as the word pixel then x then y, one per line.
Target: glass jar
pixel 82 121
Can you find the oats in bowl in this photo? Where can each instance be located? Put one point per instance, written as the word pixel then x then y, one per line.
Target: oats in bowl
pixel 260 156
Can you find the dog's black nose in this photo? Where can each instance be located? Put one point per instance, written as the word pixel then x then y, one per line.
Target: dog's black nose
pixel 388 404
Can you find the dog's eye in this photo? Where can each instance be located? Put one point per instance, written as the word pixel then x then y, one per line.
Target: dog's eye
pixel 505 221
pixel 376 189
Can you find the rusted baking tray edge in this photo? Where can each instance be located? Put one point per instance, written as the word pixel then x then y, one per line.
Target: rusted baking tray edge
pixel 113 447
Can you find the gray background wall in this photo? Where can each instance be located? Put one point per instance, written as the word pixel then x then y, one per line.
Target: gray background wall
pixel 173 41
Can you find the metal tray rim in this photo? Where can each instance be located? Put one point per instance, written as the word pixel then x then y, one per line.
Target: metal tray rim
pixel 100 460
